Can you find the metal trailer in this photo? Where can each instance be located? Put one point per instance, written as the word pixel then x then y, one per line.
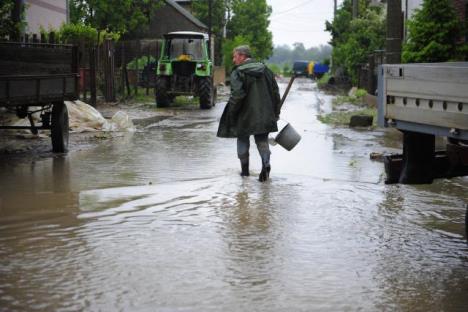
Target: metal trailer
pixel 39 78
pixel 424 101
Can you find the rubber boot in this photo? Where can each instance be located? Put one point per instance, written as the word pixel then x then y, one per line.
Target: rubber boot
pixel 245 169
pixel 265 173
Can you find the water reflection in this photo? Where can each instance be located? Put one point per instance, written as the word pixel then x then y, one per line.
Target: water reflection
pixel 250 234
pixel 423 262
pixel 161 220
pixel 39 244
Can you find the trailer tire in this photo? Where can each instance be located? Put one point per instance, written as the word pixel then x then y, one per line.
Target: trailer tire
pixel 205 93
pixel 59 128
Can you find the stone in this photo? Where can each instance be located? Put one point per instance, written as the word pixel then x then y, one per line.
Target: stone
pixel 361 121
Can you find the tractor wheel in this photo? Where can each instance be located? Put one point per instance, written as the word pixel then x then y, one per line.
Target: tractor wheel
pixel 205 93
pixel 160 92
pixel 59 128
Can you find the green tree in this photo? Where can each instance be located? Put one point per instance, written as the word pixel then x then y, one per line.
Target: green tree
pixel 354 39
pixel 8 26
pixel 274 68
pixel 287 70
pixel 122 16
pixel 218 22
pixel 250 19
pixel 434 34
pixel 229 46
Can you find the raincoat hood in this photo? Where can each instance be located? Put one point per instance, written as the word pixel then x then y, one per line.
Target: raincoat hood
pixel 252 68
pixel 254 103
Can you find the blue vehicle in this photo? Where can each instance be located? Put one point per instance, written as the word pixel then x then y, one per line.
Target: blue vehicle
pixel 309 69
pixel 320 70
pixel 300 68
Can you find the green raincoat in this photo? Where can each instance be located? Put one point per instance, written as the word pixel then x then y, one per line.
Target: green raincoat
pixel 254 104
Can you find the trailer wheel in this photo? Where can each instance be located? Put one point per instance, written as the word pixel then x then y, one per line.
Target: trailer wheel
pixel 205 93
pixel 59 128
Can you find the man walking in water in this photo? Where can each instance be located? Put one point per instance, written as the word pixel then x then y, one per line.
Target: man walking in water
pixel 253 109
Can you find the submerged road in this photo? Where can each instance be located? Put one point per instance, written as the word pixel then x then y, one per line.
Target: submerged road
pixel 160 220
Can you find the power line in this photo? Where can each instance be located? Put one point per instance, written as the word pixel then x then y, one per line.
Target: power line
pixel 290 9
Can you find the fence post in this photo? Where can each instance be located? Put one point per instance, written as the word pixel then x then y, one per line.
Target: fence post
pixel 109 70
pixel 52 37
pixel 138 55
pixel 122 62
pixel 370 75
pixel 148 55
pixel 92 74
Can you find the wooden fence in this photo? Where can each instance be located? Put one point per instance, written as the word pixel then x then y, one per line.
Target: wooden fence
pixel 110 70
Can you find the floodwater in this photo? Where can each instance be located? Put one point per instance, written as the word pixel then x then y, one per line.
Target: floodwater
pixel 160 220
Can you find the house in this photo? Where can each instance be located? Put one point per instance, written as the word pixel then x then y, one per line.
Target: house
pixel 45 14
pixel 173 17
pixel 186 4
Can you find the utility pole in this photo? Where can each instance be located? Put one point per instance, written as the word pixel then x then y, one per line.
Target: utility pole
pixel 334 9
pixel 394 32
pixel 210 7
pixel 355 8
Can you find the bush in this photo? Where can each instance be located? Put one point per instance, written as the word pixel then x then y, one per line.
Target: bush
pixel 140 63
pixel 76 33
pixel 354 39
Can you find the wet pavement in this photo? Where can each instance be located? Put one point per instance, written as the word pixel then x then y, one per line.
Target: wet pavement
pixel 160 220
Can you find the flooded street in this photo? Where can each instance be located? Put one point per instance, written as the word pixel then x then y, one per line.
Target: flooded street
pixel 160 220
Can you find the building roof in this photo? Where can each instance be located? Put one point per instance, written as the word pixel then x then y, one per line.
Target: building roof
pixel 186 13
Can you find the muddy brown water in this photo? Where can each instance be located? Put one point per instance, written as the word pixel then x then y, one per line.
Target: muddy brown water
pixel 160 220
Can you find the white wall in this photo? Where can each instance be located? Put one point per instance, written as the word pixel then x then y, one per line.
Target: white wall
pixel 50 14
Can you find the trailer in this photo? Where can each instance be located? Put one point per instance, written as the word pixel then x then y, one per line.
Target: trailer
pixel 38 78
pixel 425 101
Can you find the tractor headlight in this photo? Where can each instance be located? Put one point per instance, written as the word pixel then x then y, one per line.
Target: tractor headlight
pixel 201 66
pixel 162 67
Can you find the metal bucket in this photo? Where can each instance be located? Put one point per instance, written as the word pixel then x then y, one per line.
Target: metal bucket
pixel 288 137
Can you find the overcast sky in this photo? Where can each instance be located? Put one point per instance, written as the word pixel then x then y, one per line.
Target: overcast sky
pixel 300 21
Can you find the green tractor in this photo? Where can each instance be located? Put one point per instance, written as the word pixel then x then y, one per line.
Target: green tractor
pixel 185 68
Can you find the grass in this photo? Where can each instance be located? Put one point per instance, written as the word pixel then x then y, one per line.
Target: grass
pixel 324 80
pixel 182 100
pixel 142 97
pixel 342 118
pixel 355 99
pixel 345 106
